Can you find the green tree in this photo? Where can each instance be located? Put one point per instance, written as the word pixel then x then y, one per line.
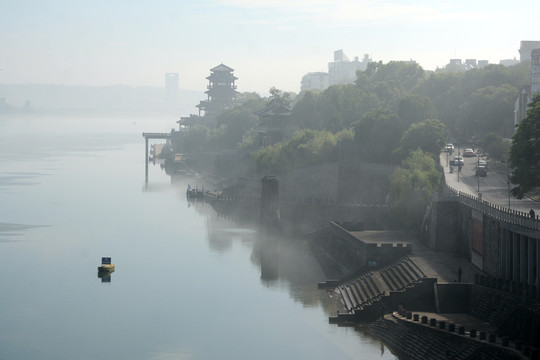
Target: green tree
pixel 429 135
pixel 445 92
pixel 390 82
pixel 413 108
pixel 340 106
pixel 411 188
pixel 379 132
pixel 279 98
pixel 345 134
pixel 234 123
pixel 525 152
pixel 449 91
pixel 306 114
pixel 307 147
pixel 195 139
pixel 488 109
pixel 495 146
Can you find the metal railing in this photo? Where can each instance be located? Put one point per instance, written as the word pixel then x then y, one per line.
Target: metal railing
pixel 496 212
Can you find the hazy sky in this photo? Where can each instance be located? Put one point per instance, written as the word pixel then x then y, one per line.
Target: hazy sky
pixel 267 42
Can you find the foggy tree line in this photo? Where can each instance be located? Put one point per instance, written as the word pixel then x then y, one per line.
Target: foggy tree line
pixel 395 111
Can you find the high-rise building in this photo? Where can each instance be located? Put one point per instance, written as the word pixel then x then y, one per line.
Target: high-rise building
pixel 525 49
pixel 535 71
pixel 509 62
pixel 342 70
pixel 314 81
pixel 527 92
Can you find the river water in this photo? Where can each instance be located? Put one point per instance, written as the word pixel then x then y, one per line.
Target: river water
pixel 189 284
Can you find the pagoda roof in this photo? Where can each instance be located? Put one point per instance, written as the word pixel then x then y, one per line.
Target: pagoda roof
pixel 189 121
pixel 222 67
pixel 269 111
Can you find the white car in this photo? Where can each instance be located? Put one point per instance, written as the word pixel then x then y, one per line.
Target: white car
pixel 449 148
pixel 468 152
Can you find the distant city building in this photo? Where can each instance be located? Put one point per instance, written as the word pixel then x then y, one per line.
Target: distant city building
pixel 171 88
pixel 527 93
pixel 535 71
pixel 457 66
pixel 221 90
pixel 314 81
pixel 471 63
pixel 482 64
pixel 509 62
pixel 521 104
pixel 342 70
pixel 526 48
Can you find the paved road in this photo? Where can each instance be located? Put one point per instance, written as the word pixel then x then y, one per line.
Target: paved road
pixel 493 187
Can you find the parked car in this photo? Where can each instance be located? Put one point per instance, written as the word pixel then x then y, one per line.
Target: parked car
pixel 458 160
pixel 468 152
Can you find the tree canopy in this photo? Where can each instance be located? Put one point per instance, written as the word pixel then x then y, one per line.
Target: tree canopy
pixel 495 146
pixel 489 109
pixel 279 98
pixel 413 108
pixel 379 132
pixel 449 91
pixel 429 135
pixel 525 152
pixel 307 147
pixel 412 186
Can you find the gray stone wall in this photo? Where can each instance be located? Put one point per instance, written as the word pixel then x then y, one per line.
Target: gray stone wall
pixel 491 246
pixel 447 229
pixel 360 181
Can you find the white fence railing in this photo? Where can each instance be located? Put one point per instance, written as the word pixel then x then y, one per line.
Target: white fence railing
pixel 496 212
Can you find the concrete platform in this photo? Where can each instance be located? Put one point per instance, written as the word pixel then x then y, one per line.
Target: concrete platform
pixel 443 266
pixel 384 237
pixel 466 320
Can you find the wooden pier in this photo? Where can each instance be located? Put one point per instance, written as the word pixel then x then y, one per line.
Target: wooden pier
pixel 147 136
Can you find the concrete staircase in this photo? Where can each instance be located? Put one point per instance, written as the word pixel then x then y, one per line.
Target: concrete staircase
pixel 364 294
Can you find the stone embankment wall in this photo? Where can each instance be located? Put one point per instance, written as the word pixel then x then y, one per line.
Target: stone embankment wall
pixel 309 198
pixel 511 328
pixel 360 181
pixel 420 341
pixel 479 231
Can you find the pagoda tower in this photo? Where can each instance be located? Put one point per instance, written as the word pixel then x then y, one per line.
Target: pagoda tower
pixel 221 90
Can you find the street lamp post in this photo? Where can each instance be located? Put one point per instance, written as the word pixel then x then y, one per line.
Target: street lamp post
pixel 508 182
pixel 477 174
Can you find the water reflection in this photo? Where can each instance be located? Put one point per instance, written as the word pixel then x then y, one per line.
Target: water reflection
pixel 9 230
pixel 105 278
pixel 217 289
pixel 285 262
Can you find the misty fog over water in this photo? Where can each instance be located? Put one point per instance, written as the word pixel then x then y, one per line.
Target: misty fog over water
pixel 188 284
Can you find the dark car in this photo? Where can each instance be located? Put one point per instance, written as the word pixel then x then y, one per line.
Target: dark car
pixel 481 170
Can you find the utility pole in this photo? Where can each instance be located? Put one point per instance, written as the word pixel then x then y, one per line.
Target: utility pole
pixel 508 182
pixel 477 174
